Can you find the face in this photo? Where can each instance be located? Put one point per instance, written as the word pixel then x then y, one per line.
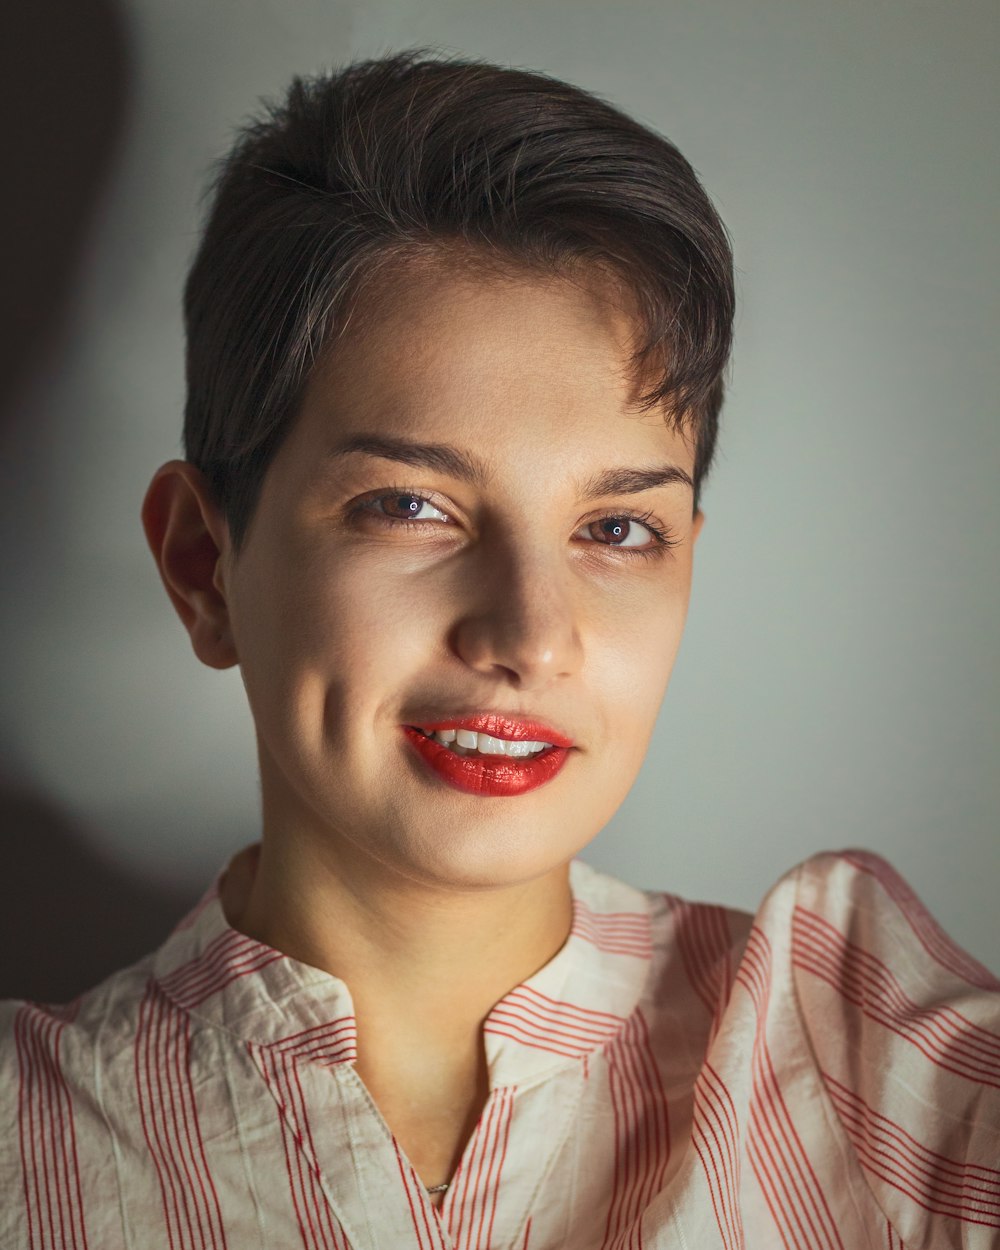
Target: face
pixel 441 539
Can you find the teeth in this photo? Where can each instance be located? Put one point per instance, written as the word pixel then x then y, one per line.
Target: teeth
pixel 465 740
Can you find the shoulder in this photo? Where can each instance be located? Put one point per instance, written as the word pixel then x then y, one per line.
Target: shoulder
pixel 903 1029
pixel 696 950
pixel 64 1037
pixel 853 904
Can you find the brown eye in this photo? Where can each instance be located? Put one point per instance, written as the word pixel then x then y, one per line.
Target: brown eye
pixel 611 529
pixel 398 507
pixel 401 507
pixel 620 531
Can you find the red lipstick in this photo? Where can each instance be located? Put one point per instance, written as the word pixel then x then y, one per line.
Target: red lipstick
pixel 491 775
pixel 499 725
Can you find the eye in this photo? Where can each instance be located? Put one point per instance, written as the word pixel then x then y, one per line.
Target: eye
pixel 637 535
pixel 402 506
pixel 618 531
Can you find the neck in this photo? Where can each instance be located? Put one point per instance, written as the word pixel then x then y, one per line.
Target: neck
pixel 397 944
pixel 424 968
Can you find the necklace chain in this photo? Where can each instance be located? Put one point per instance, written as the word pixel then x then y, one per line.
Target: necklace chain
pixel 438 1189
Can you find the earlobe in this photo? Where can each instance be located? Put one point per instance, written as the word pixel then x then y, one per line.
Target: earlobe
pixel 697 522
pixel 188 537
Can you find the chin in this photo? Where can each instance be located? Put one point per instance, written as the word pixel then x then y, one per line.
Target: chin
pixel 482 859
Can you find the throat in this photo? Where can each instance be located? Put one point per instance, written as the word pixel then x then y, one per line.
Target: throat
pixel 431 1104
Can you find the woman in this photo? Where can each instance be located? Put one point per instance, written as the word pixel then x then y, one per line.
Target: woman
pixel 456 339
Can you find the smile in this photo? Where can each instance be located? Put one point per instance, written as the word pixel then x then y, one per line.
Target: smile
pixel 480 763
pixel 467 742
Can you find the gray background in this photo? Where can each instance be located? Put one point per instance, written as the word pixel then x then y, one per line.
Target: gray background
pixel 840 680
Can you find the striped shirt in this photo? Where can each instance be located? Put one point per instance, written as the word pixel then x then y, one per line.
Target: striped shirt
pixel 823 1075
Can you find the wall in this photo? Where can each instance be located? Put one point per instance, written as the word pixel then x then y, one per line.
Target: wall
pixel 840 681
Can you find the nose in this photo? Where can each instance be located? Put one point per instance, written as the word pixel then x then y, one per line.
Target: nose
pixel 522 623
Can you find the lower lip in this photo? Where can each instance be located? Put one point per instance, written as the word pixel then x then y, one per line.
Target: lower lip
pixel 497 775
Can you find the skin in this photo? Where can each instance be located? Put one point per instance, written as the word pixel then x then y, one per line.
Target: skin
pixel 432 904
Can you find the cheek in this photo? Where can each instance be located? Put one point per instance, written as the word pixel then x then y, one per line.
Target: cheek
pixel 341 632
pixel 631 658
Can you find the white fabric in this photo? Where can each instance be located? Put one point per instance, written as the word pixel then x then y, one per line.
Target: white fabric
pixel 824 1075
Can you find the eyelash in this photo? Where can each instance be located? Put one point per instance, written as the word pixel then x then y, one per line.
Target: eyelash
pixel 663 539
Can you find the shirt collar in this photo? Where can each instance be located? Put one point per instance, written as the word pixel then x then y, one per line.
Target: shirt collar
pixel 573 1006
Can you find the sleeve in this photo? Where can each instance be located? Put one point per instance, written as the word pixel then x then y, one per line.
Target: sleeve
pixel 905 1029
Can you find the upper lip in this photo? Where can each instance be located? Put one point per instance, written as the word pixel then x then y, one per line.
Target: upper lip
pixel 498 725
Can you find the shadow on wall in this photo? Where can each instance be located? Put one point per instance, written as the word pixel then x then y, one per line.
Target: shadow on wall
pixel 63 89
pixel 66 917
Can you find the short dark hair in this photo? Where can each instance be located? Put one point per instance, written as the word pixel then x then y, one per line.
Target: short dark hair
pixel 416 153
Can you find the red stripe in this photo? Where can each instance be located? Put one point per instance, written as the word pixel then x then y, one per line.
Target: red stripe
pixel 729 1123
pixel 631 1207
pixel 485 1146
pixel 169 1116
pixel 779 1160
pixel 779 1154
pixel 49 1162
pixel 194 1146
pixel 279 1063
pixel 652 1086
pixel 632 1153
pixel 531 1044
pixel 542 1023
pixel 587 1015
pixel 50 1165
pixel 642 1134
pixel 409 1196
pixel 504 1140
pixel 534 1027
pixel 455 1197
pixel 831 944
pixel 619 1161
pixel 335 1028
pixel 227 958
pixel 615 933
pixel 703 938
pixel 943 1035
pixel 304 1200
pixel 26 1129
pixel 715 1134
pixel 474 1176
pixel 928 932
pixel 179 1157
pixel 320 1208
pixel 426 1224
pixel 770 1117
pixel 472 1201
pixel 227 946
pixel 968 1192
pixel 293 1160
pixel 145 1068
pixel 326 1044
pixel 514 1013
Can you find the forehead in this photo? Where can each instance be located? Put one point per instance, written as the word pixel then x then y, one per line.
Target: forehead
pixel 502 361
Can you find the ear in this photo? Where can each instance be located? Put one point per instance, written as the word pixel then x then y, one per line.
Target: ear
pixel 696 524
pixel 188 536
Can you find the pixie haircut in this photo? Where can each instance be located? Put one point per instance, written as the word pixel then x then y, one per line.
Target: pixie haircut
pixel 413 156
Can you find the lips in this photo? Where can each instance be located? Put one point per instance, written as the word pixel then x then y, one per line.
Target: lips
pixel 498 726
pixel 490 775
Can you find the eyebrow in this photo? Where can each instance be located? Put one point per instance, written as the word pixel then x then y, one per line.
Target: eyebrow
pixel 468 467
